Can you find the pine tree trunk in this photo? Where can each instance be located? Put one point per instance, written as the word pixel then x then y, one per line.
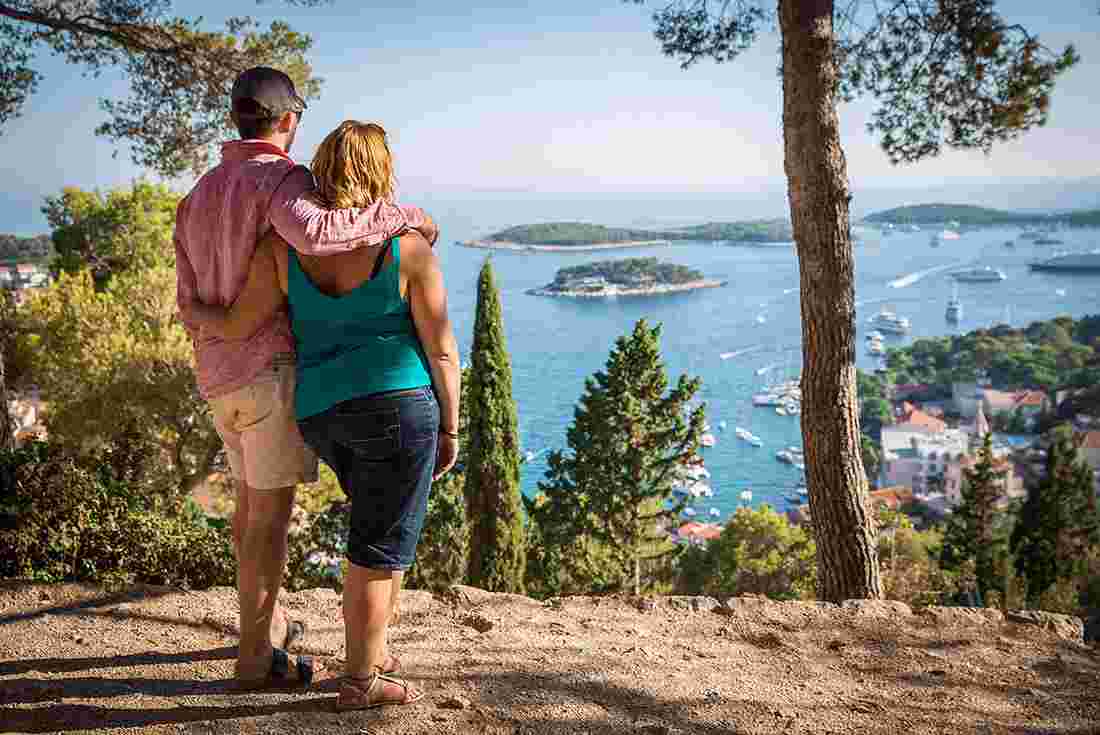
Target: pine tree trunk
pixel 817 184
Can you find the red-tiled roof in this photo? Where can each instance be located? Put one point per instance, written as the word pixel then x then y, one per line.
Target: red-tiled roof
pixel 1091 440
pixel 1030 398
pixel 914 416
pixel 694 529
pixel 892 496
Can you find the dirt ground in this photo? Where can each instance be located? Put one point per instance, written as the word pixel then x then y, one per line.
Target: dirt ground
pixel 159 660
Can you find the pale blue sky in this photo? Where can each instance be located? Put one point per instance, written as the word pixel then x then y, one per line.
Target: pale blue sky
pixel 569 96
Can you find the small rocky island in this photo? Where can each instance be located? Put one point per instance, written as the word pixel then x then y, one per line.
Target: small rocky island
pixel 626 277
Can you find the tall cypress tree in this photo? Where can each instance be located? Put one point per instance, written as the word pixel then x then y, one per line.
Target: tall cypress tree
pixel 1057 522
pixel 628 446
pixel 970 534
pixel 494 507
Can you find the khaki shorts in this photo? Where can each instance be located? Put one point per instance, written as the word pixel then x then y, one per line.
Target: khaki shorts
pixel 261 436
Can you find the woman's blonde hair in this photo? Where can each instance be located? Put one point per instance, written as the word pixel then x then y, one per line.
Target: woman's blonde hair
pixel 353 166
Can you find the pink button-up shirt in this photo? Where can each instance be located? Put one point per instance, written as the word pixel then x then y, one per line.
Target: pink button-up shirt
pixel 257 186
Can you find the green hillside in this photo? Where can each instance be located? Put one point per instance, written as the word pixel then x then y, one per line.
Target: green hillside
pixel 967 214
pixel 773 230
pixel 572 233
pixel 582 233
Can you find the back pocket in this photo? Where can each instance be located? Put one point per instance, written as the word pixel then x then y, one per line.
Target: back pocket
pixel 373 435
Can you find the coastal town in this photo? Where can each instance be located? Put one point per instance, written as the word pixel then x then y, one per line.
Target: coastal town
pixel 922 438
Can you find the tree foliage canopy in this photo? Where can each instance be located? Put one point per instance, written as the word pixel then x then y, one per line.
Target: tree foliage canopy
pixel 117 357
pixel 114 232
pixel 945 73
pixel 179 73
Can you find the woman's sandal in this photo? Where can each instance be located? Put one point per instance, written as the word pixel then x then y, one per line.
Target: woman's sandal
pixel 369 693
pixel 279 676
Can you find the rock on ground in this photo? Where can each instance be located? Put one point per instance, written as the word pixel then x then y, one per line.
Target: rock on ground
pixel 160 660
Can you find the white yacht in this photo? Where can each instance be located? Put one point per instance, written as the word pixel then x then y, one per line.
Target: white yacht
pixel 954 307
pixel 889 322
pixel 984 274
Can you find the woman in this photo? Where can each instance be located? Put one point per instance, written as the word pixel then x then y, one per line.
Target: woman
pixel 377 392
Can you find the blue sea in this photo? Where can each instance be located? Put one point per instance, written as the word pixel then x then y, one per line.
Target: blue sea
pixel 556 343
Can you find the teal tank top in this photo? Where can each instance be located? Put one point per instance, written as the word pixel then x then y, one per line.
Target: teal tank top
pixel 353 345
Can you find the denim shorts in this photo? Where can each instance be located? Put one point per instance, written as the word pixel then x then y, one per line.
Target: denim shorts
pixel 382 448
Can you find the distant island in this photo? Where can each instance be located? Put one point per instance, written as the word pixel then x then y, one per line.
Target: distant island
pixel 626 277
pixel 558 236
pixel 969 215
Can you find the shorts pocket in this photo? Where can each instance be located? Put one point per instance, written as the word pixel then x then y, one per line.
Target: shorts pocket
pixel 374 435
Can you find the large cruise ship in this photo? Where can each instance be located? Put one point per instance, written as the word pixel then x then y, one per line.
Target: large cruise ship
pixel 979 275
pixel 1073 263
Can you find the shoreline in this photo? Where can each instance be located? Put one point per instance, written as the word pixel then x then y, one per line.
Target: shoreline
pixel 535 247
pixel 647 291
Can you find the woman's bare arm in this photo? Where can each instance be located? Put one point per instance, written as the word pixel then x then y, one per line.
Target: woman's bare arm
pixel 260 298
pixel 428 302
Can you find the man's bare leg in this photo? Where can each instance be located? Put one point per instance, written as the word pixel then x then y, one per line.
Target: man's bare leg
pixel 261 564
pixel 238 524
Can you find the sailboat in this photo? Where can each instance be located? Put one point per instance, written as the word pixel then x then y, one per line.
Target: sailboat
pixel 954 307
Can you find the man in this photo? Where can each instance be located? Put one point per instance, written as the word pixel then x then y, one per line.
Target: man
pixel 249 384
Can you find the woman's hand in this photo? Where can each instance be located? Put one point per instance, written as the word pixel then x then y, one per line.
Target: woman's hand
pixel 445 455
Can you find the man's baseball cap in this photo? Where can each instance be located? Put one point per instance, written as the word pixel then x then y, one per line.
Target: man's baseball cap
pixel 263 92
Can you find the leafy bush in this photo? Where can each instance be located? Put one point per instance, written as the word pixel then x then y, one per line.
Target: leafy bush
pixel 759 552
pixel 95 518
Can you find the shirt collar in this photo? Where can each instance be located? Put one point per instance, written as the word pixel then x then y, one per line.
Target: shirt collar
pixel 240 150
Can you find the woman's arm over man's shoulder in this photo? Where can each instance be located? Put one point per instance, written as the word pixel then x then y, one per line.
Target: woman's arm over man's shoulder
pixel 312 229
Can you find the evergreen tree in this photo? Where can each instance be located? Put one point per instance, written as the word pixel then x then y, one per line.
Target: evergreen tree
pixel 1057 523
pixel 629 445
pixel 970 532
pixel 494 506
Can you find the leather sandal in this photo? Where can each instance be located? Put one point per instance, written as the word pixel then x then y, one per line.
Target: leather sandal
pixel 357 694
pixel 279 675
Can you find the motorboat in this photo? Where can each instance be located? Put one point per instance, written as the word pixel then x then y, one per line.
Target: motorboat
pixel 707 440
pixel 746 496
pixel 939 237
pixel 1044 240
pixel 889 322
pixel 984 274
pixel 954 307
pixel 715 513
pixel 784 455
pixel 1010 243
pixel 1070 262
